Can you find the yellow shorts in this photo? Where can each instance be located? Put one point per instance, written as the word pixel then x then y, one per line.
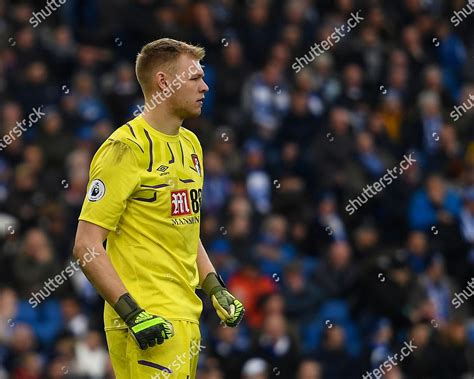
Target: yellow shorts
pixel 174 358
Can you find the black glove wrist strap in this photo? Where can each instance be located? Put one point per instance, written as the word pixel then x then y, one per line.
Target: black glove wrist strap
pixel 212 283
pixel 126 307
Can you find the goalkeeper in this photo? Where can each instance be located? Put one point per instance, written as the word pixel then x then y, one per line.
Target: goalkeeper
pixel 144 198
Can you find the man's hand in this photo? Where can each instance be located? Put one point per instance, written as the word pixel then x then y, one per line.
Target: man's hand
pixel 147 329
pixel 228 308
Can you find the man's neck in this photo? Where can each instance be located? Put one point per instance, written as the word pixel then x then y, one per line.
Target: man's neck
pixel 163 121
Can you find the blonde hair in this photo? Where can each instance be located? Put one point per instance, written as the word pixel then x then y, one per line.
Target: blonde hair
pixel 163 52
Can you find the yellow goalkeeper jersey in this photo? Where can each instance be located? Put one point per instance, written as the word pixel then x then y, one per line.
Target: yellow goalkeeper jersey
pixel 145 187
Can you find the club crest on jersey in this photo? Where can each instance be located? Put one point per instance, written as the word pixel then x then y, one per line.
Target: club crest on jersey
pixel 197 165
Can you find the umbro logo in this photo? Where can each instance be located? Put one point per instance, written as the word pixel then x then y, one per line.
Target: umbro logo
pixel 162 168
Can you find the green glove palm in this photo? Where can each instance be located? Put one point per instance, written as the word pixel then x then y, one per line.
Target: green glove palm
pixel 147 329
pixel 228 308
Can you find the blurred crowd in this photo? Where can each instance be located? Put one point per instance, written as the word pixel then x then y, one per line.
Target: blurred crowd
pixel 328 295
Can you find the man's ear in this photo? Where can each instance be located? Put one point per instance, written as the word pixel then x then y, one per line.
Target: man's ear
pixel 160 80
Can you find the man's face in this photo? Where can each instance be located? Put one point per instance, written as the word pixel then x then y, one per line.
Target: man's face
pixel 187 101
pixel 435 188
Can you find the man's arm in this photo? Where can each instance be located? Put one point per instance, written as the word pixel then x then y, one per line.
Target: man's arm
pixel 204 264
pixel 147 329
pixel 228 308
pixel 100 270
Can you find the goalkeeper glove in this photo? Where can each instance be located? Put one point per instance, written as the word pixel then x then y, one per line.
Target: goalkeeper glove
pixel 228 308
pixel 147 330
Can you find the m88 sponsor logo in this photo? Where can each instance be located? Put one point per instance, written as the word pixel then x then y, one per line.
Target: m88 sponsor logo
pixel 184 203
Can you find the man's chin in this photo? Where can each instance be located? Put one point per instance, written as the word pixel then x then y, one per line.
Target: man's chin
pixel 194 114
pixel 191 113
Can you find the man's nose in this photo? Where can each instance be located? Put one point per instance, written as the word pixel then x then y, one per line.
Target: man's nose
pixel 204 88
